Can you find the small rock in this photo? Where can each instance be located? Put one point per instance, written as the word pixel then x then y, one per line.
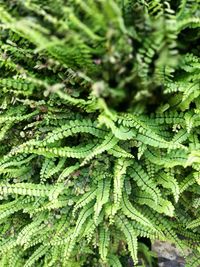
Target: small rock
pixel 168 254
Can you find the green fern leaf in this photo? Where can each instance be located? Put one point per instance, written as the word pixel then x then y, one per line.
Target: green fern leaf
pixel 109 142
pixel 38 253
pixel 102 196
pixel 142 179
pixel 133 213
pixel 114 261
pixel 131 237
pixel 104 240
pixel 168 181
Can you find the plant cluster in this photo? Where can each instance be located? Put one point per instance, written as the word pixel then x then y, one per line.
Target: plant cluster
pixel 99 130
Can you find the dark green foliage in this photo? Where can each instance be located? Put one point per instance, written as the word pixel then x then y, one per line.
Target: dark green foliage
pixel 99 130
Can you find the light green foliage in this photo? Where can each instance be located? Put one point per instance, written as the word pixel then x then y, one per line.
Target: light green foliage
pixel 104 241
pixel 99 130
pixel 130 235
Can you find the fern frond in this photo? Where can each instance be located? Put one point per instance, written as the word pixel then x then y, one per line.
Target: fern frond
pixel 163 205
pixel 119 152
pixel 72 128
pixel 38 253
pixel 28 189
pixel 102 196
pixel 67 171
pixel 56 169
pixel 131 237
pixel 142 179
pixel 168 181
pixel 85 199
pixel 84 214
pixel 109 142
pixel 194 223
pixel 130 211
pixel 12 207
pixel 17 118
pixel 119 174
pixel 30 230
pixel 104 240
pixel 114 261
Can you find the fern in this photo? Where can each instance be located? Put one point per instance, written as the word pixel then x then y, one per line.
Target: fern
pixel 84 214
pixel 119 173
pixel 27 189
pixel 72 128
pixel 114 261
pixel 88 197
pixel 194 224
pixel 130 235
pixel 142 179
pixel 103 243
pixel 171 183
pixel 42 250
pixel 109 142
pixel 134 214
pixel 102 196
pixel 99 130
